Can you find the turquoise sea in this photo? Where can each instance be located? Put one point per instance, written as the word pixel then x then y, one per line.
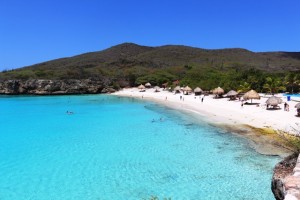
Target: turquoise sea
pixel 114 148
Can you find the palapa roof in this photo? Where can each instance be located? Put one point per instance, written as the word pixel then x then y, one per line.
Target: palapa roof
pixel 218 90
pixel 273 101
pixel 141 87
pixel 177 88
pixel 156 89
pixel 231 93
pixel 188 89
pixel 252 94
pixel 297 105
pixel 148 84
pixel 197 89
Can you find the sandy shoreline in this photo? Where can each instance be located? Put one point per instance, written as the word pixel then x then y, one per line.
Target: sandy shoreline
pixel 229 115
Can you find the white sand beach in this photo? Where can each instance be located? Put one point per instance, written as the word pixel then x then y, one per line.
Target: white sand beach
pixel 223 111
pixel 231 115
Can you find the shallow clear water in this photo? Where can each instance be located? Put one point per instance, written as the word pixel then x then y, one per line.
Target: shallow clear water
pixel 110 149
pixel 292 95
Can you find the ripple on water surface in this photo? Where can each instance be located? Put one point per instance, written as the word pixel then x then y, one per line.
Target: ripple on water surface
pixel 121 148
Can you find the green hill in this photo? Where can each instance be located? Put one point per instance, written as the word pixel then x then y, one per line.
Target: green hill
pixel 131 64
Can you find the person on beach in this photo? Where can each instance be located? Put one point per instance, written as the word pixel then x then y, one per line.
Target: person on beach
pixel 180 97
pixel 202 99
pixel 286 106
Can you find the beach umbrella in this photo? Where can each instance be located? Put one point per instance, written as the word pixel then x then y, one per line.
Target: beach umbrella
pixel 148 84
pixel 197 89
pixel 297 106
pixel 252 94
pixel 231 93
pixel 273 101
pixel 156 89
pixel 177 89
pixel 218 91
pixel 141 87
pixel 187 89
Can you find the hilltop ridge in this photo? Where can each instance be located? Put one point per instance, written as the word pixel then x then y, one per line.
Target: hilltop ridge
pixel 130 64
pixel 175 55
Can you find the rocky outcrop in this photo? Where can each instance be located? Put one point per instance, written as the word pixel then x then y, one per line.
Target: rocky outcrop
pixel 55 87
pixel 286 179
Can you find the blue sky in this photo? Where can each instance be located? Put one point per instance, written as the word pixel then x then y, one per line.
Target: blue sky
pixel 34 31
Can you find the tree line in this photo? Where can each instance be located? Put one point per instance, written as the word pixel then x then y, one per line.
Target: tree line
pixel 236 77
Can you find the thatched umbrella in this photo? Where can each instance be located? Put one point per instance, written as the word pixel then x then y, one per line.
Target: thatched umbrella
pixel 232 94
pixel 148 85
pixel 218 91
pixel 141 87
pixel 273 101
pixel 198 91
pixel 177 89
pixel 156 89
pixel 187 90
pixel 297 106
pixel 252 94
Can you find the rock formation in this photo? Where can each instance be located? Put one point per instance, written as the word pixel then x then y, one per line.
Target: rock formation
pixel 55 87
pixel 286 179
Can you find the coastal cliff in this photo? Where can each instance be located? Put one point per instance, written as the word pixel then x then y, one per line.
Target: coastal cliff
pixel 286 179
pixel 55 87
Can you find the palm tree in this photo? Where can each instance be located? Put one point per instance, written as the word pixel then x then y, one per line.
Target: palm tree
pixel 273 85
pixel 245 87
pixel 292 81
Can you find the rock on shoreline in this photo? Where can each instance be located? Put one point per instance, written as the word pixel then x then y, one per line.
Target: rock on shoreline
pixel 286 179
pixel 55 87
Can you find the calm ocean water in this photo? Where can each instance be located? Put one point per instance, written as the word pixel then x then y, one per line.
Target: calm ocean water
pixel 110 149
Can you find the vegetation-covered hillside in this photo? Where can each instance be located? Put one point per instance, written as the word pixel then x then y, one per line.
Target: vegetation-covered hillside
pixel 130 64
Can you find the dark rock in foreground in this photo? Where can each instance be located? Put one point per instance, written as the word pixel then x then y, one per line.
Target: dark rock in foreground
pixel 286 179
